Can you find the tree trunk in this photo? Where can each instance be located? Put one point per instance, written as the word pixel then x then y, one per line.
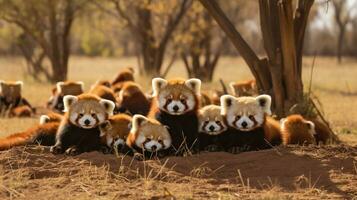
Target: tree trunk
pixel 340 41
pixel 283 32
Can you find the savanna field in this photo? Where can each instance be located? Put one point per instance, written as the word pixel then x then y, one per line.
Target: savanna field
pixel 311 172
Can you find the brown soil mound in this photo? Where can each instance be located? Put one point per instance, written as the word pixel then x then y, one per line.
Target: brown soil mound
pixel 328 172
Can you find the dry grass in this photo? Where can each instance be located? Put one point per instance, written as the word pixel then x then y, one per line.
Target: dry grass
pixel 33 173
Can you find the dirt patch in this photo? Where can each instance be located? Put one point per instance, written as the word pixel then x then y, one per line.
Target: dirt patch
pixel 328 172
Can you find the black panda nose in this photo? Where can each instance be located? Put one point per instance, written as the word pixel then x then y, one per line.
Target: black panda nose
pixel 86 122
pixel 154 147
pixel 211 128
pixel 176 108
pixel 244 124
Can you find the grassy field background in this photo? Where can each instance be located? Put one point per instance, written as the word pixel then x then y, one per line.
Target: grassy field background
pixel 335 85
pixel 294 172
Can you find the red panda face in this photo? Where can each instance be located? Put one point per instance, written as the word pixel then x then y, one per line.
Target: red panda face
pixel 87 113
pixel 211 121
pixel 176 98
pixel 149 135
pixel 11 91
pixel 245 113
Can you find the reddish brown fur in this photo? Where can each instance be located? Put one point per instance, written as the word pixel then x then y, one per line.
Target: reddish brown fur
pixel 323 134
pixel 28 136
pixel 54 117
pixel 103 92
pixel 244 88
pixel 215 97
pixel 21 111
pixel 126 74
pixel 133 99
pixel 296 131
pixel 69 88
pixel 119 127
pixel 272 131
pixel 205 99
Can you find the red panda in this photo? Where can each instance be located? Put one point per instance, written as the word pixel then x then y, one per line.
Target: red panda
pixel 105 83
pixel 103 92
pixel 323 134
pixel 79 128
pixel 216 97
pixel 21 111
pixel 148 137
pixel 11 98
pixel 205 99
pixel 126 74
pixel 43 134
pixel 55 102
pixel 131 98
pixel 211 128
pixel 51 117
pixel 251 128
pixel 114 132
pixel 297 130
pixel 176 104
pixel 243 88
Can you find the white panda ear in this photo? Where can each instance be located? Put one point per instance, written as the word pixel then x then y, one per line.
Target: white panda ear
pixel 226 102
pixel 232 88
pixel 59 86
pixel 264 102
pixel 137 121
pixel 194 84
pixel 311 127
pixel 108 105
pixel 81 85
pixel 68 101
pixel 44 119
pixel 20 83
pixel 157 85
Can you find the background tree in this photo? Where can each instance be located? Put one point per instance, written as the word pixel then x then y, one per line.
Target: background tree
pixel 152 24
pixel 46 26
pixel 283 29
pixel 342 17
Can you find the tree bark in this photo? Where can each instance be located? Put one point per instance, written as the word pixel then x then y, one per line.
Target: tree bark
pixel 283 32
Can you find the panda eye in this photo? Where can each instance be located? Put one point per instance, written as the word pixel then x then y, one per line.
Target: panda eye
pixel 93 115
pixel 147 140
pixel 183 101
pixel 238 117
pixel 169 99
pixel 218 122
pixel 81 114
pixel 159 141
pixel 251 117
pixel 206 122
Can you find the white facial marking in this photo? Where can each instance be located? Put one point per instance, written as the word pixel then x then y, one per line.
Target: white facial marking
pixel 149 145
pixel 109 141
pixel 140 140
pixel 101 117
pixel 244 120
pixel 118 142
pixel 73 117
pixel 167 143
pixel 87 121
pixel 180 107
